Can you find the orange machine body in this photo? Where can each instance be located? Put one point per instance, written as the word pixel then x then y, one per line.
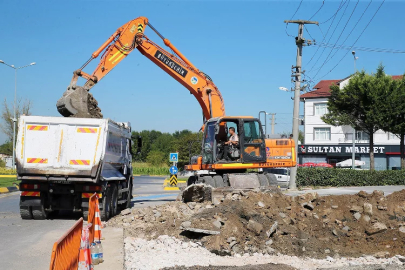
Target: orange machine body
pixel 280 153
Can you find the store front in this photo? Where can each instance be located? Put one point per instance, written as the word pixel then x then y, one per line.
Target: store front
pixel 386 157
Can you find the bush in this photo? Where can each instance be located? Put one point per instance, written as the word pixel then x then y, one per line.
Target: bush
pixel 347 177
pixel 2 164
pixel 7 171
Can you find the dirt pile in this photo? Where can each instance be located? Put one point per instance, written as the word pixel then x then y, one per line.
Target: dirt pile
pixel 270 223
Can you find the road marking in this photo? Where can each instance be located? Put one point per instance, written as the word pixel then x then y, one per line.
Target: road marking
pixel 151 197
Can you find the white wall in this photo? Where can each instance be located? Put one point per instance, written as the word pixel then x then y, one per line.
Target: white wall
pixel 337 133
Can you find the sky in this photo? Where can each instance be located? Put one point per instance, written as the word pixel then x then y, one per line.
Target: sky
pixel 244 46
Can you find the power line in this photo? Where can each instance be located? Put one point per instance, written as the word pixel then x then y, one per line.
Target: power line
pixel 350 31
pixel 364 49
pixel 334 30
pixel 341 33
pixel 356 40
pixel 324 36
pixel 339 8
pixel 323 2
pixel 292 18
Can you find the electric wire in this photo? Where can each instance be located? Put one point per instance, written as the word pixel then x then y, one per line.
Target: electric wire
pixel 331 34
pixel 337 40
pixel 323 3
pixel 339 8
pixel 355 40
pixel 324 36
pixel 286 25
pixel 364 49
pixel 350 31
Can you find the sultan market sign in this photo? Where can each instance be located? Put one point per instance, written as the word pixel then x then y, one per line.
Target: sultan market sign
pixel 341 149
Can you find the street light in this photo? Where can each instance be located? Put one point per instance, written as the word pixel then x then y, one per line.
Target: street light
pixel 15 102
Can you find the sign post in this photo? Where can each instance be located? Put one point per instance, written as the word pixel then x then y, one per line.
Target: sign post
pixel 173 157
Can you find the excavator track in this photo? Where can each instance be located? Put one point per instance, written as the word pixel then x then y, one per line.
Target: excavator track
pixel 78 102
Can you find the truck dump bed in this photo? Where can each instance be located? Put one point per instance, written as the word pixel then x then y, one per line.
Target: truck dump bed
pixel 61 148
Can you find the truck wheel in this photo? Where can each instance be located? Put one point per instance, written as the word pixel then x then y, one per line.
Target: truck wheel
pixel 219 181
pixel 105 213
pixel 25 212
pixel 39 213
pixel 263 180
pixel 129 198
pixel 114 201
pixel 191 180
pixel 208 180
pixel 272 179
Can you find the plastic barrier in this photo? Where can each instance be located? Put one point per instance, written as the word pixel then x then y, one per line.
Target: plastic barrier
pixel 65 252
pixel 91 216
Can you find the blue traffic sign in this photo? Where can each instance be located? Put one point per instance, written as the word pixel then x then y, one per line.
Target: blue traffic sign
pixel 173 170
pixel 174 157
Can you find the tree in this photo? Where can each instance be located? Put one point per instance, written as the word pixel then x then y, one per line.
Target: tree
pixel 156 158
pixel 359 103
pixel 6 148
pixel 394 113
pixel 7 115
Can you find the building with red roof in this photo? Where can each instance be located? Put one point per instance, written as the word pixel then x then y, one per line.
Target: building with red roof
pixel 330 144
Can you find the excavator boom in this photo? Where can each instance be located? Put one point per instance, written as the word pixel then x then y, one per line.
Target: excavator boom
pixel 78 102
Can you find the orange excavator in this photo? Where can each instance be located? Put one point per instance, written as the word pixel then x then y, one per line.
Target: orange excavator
pixel 221 163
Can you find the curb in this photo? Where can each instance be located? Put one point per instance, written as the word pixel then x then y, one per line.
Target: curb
pixel 8 189
pixel 8 175
pixel 149 175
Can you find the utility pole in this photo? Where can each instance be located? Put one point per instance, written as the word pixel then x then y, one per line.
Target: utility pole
pixel 273 119
pixel 354 130
pixel 299 41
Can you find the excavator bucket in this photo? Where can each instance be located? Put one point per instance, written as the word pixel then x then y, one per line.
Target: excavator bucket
pixel 78 102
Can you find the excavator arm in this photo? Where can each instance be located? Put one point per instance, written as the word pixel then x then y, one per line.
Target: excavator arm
pixel 76 101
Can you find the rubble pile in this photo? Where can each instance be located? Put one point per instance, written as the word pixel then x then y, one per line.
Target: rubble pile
pixel 247 223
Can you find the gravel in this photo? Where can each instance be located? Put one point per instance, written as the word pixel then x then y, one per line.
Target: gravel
pixel 167 251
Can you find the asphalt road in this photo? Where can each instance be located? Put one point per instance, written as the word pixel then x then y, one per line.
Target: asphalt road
pixel 27 244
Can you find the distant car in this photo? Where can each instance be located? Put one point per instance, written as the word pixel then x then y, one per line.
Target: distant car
pixel 282 175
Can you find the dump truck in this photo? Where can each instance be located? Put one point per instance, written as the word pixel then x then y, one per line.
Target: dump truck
pixel 62 162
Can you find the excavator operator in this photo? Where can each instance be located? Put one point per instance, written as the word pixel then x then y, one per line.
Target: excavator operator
pixel 230 150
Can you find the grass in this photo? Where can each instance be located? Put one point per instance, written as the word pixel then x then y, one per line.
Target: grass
pixel 144 168
pixel 8 181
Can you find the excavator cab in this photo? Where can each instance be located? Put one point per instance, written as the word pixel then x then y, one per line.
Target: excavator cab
pixel 250 147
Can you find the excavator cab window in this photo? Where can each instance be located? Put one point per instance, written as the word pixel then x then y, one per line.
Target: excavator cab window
pixel 208 144
pixel 253 143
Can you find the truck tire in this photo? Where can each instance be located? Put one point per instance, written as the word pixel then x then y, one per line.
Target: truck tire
pixel 219 181
pixel 39 213
pixel 191 180
pixel 25 212
pixel 105 212
pixel 114 200
pixel 129 198
pixel 263 180
pixel 272 179
pixel 208 180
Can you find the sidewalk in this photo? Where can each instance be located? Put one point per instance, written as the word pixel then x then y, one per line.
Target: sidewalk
pixel 113 249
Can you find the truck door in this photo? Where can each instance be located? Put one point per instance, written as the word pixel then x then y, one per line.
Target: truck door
pixel 253 144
